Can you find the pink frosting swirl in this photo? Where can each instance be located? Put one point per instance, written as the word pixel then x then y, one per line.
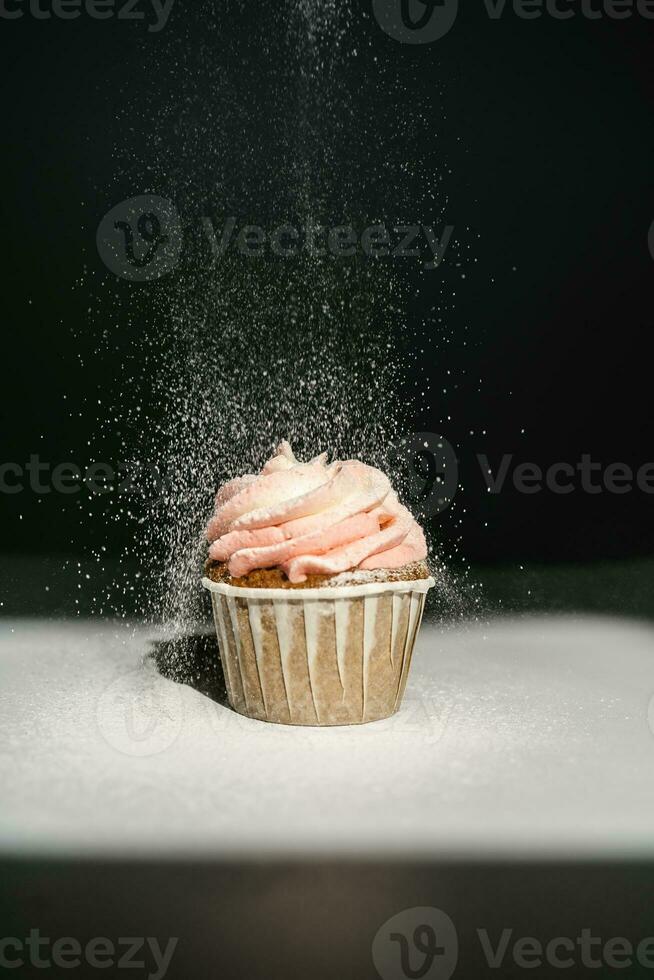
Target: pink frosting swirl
pixel 312 519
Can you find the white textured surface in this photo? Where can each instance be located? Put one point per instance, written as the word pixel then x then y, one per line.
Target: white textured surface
pixel 528 737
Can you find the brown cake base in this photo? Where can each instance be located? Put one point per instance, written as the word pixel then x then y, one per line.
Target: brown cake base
pixel 275 578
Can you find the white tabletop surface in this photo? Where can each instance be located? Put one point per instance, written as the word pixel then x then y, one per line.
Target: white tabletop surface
pixel 527 737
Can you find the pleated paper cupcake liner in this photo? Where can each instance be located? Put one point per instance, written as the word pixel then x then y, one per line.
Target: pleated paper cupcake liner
pixel 328 656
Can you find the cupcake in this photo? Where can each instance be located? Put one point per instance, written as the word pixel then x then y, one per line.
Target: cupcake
pixel 318 578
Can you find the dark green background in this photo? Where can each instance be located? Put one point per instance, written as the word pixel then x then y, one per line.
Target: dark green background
pixel 544 132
